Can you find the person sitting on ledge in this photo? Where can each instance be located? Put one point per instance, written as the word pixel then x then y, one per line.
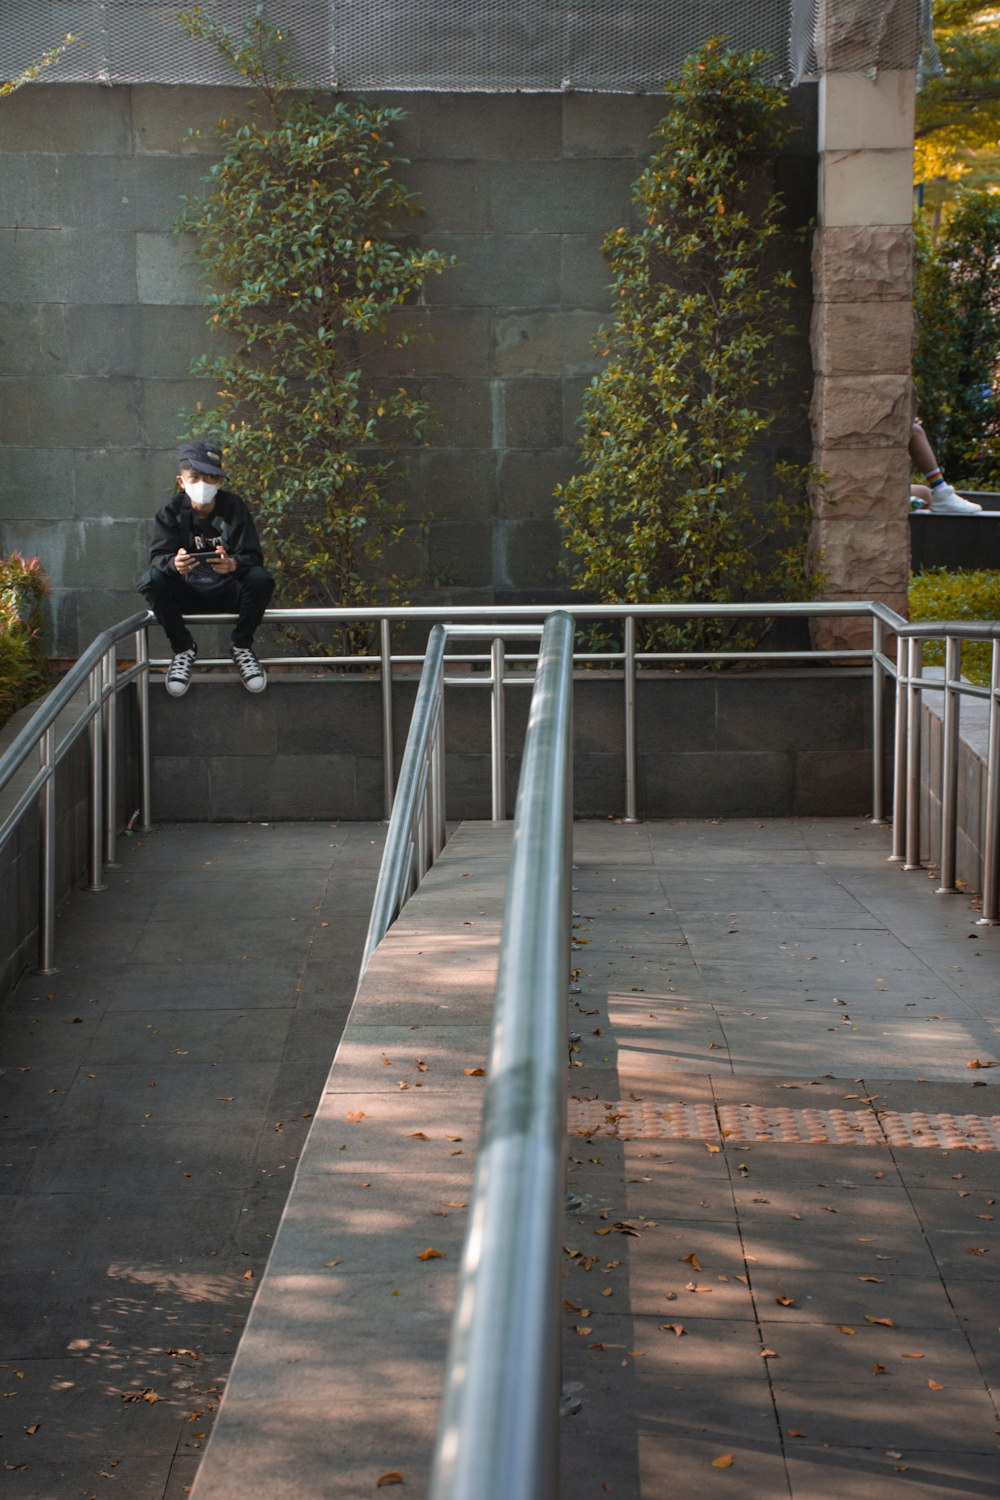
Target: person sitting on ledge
pixel 936 495
pixel 206 558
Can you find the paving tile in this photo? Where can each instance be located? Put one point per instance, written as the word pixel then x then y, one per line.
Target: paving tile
pixel 861 1474
pixel 901 1417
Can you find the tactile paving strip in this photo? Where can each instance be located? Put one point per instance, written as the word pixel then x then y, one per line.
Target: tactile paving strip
pixel 630 1119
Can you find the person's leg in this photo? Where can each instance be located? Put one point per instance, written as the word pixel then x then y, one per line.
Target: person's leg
pixel 943 499
pixel 256 588
pixel 168 596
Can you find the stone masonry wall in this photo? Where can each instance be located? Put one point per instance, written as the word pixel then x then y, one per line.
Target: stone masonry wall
pixel 103 313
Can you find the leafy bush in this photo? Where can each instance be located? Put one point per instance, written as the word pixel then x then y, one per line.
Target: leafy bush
pixel 293 239
pixel 969 595
pixel 955 369
pixel 663 511
pixel 23 663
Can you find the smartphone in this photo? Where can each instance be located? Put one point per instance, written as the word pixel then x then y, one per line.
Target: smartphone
pixel 212 556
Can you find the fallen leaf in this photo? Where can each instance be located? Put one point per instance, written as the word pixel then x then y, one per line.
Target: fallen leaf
pixel 934 1386
pixel 354 1115
pixel 418 1135
pixel 329 1263
pixel 878 1280
pixel 724 1461
pixel 677 1328
pixel 878 1369
pixel 911 1356
pixel 692 1260
pixel 845 1329
pixel 432 1255
pixel 713 1149
pixel 769 1354
pixel 33 1428
pixel 785 1301
pixel 391 1476
pixel 794 1432
pixel 474 1072
pixel 976 1063
pixel 883 1322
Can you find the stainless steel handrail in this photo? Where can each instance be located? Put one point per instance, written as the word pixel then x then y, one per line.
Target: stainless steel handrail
pixel 96 670
pixel 498 1432
pixel 911 682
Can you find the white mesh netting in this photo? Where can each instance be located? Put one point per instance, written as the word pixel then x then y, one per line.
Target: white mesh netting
pixel 609 46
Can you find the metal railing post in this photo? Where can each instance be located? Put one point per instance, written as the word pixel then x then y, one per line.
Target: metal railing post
pixel 949 766
pixel 439 812
pixel 631 798
pixel 878 720
pixel 145 745
pixel 499 731
pixel 991 852
pixel 47 855
pixel 899 750
pixel 96 737
pixel 388 779
pixel 110 717
pixel 913 699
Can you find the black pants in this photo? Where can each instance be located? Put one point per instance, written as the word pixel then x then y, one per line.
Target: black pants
pixel 170 598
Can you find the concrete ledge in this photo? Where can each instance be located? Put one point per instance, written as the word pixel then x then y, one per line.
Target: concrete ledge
pixel 337 1378
pixel 972 755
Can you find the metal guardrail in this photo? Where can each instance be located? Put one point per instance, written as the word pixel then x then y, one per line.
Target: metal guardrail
pixel 911 682
pixel 498 1434
pixel 97 671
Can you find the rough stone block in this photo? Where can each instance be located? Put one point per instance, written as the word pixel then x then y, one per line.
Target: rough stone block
pixel 97 611
pixel 854 264
pixel 716 785
pixel 858 112
pixel 532 412
pixel 863 338
pixel 29 191
pixel 37 483
pixel 862 560
pixel 455 485
pixel 69 413
pixel 162 404
pixel 102 342
pixel 859 483
pixel 162 116
pixel 483 127
pixel 54 117
pixel 853 34
pixel 503 269
pixel 131 192
pixel 166 270
pixel 98 266
pixel 546 343
pixel 32 266
pixel 609 124
pixel 452 193
pixel 559 197
pixel 460 553
pixel 866 187
pixel 855 411
pixel 461 412
pixel 446 341
pixel 127 485
pixel 586 275
pixel 171 338
pixel 32 338
pixel 828 784
pixel 527 481
pixel 533 552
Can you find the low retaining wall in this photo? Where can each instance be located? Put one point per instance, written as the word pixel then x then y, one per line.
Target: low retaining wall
pixel 970 838
pixel 762 744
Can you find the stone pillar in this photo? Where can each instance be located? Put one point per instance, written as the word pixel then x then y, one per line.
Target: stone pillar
pixel 862 335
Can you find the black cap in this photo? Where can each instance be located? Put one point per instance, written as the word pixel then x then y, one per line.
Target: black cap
pixel 201 456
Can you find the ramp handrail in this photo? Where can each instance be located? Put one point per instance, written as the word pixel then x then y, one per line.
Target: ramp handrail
pixel 97 671
pixel 498 1432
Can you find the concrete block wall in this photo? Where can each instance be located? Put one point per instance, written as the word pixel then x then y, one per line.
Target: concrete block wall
pixel 103 313
pixel 774 744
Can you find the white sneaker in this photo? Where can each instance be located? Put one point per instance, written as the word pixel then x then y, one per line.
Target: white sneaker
pixel 179 672
pixel 251 672
pixel 944 502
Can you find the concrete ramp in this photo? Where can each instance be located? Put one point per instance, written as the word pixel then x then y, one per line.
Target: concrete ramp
pixel 337 1379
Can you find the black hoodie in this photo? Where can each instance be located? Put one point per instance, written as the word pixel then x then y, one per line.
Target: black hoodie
pixel 176 525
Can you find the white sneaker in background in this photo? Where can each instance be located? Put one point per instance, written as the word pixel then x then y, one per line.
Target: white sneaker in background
pixel 944 502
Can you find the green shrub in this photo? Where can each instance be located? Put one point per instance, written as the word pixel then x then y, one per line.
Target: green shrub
pixel 674 426
pixel 972 595
pixel 297 235
pixel 23 663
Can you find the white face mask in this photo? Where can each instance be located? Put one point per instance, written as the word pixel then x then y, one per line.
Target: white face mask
pixel 200 492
